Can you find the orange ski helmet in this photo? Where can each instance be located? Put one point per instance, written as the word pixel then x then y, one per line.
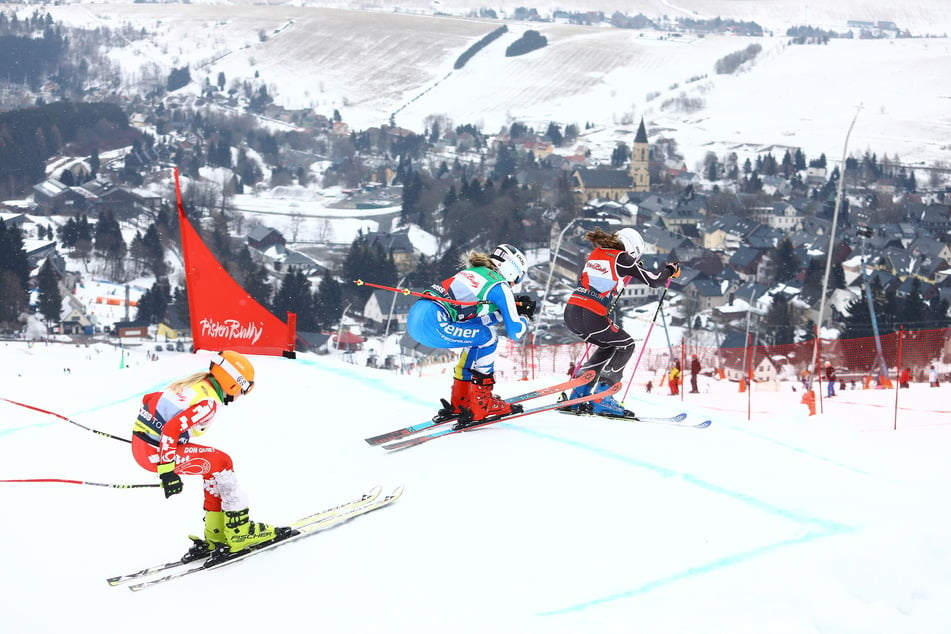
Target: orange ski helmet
pixel 233 371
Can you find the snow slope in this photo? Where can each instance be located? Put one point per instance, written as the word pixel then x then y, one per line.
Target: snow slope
pixel 376 62
pixel 783 524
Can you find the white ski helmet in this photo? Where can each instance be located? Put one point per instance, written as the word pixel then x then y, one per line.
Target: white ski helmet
pixel 633 242
pixel 510 262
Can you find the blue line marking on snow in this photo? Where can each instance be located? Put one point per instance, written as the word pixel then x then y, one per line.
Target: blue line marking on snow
pixel 810 454
pixel 693 571
pixel 826 528
pixel 13 430
pixel 380 384
pixel 690 479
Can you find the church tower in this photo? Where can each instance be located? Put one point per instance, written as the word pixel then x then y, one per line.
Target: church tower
pixel 639 169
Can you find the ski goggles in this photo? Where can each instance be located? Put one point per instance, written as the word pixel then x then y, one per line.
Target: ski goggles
pixel 243 383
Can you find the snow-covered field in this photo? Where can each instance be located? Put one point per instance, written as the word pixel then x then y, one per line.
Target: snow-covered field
pixel 372 61
pixel 785 523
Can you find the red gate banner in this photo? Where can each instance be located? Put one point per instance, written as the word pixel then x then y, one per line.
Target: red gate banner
pixel 223 315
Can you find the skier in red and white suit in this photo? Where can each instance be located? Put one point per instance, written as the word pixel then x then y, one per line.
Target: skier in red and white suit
pixel 611 265
pixel 162 443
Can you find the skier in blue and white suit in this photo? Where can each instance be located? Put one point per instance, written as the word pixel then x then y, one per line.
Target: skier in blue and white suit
pixel 461 313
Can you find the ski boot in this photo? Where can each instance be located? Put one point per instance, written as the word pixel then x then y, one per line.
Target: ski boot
pixel 483 405
pixel 214 537
pixel 459 400
pixel 577 408
pixel 241 534
pixel 608 406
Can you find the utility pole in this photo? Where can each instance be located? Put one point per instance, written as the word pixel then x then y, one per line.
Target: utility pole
pixel 866 233
pixel 551 267
pixel 835 220
pixel 386 331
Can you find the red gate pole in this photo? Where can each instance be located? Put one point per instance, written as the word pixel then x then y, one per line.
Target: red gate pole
pixel 901 335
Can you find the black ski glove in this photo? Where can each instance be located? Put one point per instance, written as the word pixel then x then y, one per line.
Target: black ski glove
pixel 525 305
pixel 171 482
pixel 673 268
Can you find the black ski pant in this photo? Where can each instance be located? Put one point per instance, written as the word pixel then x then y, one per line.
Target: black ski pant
pixel 614 345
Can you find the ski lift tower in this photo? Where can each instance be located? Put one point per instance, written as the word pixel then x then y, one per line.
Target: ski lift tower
pixel 866 232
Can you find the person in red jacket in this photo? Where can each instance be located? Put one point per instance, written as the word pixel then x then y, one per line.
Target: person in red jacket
pixel 905 378
pixel 162 442
pixel 694 374
pixel 612 264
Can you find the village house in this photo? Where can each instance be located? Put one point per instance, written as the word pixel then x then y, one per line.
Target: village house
pixel 265 238
pixel 397 245
pixel 389 306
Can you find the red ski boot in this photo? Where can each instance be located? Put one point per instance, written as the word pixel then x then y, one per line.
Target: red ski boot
pixel 482 404
pixel 459 400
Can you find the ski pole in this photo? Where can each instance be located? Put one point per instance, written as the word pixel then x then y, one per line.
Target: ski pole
pixel 435 298
pixel 65 418
pixel 95 484
pixel 646 337
pixel 406 291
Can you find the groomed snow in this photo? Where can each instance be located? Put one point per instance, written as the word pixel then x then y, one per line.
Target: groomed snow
pixel 784 523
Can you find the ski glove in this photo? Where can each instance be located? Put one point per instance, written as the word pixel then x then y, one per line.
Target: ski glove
pixel 525 305
pixel 673 268
pixel 171 482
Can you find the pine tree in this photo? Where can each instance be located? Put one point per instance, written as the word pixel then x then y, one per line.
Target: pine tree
pixel 14 275
pixel 912 311
pixel 328 302
pixel 49 297
pixel 787 262
pixel 780 320
pixel 13 255
pixel 180 304
pixel 84 239
pixel 154 251
pixel 257 285
pixel 294 296
pixel 94 163
pixel 154 302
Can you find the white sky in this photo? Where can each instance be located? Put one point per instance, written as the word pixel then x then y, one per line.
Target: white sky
pixel 784 524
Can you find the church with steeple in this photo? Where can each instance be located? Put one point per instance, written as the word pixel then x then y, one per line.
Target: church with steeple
pixel 611 184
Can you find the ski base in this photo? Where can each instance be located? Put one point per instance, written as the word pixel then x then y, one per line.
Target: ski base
pixel 412 442
pixel 396 434
pixel 678 420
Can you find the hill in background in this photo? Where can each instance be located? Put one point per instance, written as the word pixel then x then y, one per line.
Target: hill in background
pixel 385 64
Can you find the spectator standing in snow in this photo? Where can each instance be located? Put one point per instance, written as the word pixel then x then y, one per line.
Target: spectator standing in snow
pixel 905 378
pixel 933 376
pixel 830 378
pixel 673 379
pixel 694 374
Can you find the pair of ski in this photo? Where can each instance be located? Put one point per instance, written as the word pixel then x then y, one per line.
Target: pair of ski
pixel 398 434
pixel 678 420
pixel 304 527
